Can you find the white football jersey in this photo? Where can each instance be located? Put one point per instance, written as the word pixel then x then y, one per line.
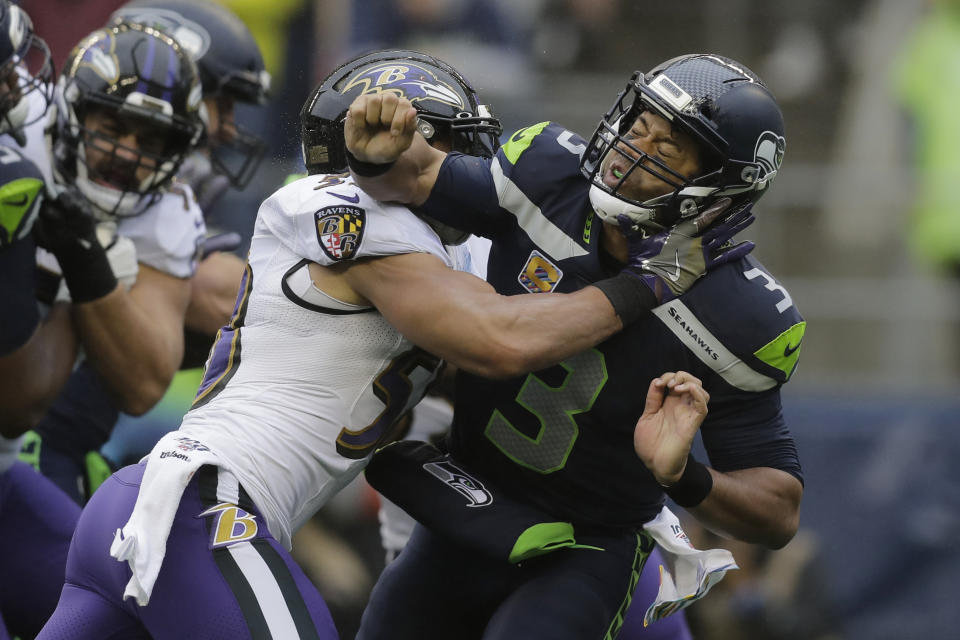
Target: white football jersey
pixel 300 387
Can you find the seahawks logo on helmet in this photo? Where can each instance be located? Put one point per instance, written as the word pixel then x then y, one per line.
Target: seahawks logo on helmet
pixel 462 482
pixel 406 80
pixel 769 152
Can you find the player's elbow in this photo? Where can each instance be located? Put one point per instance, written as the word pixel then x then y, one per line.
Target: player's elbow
pixel 783 528
pixel 497 359
pixel 137 399
pixel 15 421
pixel 782 533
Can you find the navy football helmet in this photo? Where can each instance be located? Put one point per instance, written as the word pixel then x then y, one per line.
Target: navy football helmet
pixel 723 106
pixel 447 106
pixel 143 81
pixel 230 64
pixel 25 69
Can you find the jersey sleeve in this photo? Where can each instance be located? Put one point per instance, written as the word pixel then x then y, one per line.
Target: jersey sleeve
pixel 21 193
pixel 743 324
pixel 484 196
pixel 744 430
pixel 536 158
pixel 168 236
pixel 328 219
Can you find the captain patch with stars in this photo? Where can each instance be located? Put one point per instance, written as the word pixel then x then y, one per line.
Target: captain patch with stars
pixel 340 230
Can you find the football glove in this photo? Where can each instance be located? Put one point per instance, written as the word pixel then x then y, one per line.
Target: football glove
pixel 670 261
pixel 67 228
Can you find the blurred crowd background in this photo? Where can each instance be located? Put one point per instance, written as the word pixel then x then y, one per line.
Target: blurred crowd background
pixel 862 226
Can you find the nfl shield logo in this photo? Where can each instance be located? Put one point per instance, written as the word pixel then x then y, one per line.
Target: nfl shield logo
pixel 339 230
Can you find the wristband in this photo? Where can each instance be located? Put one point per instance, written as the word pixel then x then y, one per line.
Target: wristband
pixel 693 486
pixel 367 169
pixel 630 297
pixel 87 272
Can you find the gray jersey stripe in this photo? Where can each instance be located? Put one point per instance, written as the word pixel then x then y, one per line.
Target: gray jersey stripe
pixel 691 332
pixel 546 235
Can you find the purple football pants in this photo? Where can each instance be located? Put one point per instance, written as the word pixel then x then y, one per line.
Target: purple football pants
pixel 673 627
pixel 223 575
pixel 36 522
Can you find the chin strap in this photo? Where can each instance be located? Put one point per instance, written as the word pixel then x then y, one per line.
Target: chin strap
pixel 609 208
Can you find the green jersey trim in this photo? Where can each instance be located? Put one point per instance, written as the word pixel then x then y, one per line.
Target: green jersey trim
pixel 17 206
pixel 783 351
pixel 520 141
pixel 684 324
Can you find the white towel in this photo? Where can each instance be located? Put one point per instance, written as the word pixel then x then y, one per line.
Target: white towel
pixel 142 542
pixel 687 573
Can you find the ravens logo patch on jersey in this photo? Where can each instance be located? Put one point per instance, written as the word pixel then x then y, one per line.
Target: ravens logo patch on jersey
pixel 340 230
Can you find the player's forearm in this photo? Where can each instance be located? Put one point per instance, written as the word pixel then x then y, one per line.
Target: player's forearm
pixel 35 373
pixel 214 292
pixel 759 505
pixel 512 335
pixel 133 352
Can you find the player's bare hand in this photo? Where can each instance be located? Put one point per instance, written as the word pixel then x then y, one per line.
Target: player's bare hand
pixel 675 408
pixel 378 128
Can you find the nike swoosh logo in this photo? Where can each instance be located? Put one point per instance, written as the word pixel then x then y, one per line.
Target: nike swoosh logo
pixel 16 203
pixel 676 260
pixel 788 350
pixel 355 198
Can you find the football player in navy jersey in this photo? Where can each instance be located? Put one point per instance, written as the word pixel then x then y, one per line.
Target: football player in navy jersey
pixel 37 349
pixel 346 307
pixel 564 212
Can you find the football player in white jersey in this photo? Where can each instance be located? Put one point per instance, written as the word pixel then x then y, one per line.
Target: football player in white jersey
pixel 126 112
pixel 345 310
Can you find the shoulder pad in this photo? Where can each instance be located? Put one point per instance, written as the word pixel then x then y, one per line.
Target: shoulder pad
pixel 169 234
pixel 21 187
pixel 544 141
pixel 539 157
pixel 328 219
pixel 742 323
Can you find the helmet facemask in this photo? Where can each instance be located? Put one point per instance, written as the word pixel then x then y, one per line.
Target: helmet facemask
pixel 235 152
pixel 611 143
pixel 727 112
pixel 29 70
pixel 230 66
pixel 128 112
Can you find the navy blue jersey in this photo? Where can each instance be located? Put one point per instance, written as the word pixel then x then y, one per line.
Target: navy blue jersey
pixel 21 192
pixel 562 437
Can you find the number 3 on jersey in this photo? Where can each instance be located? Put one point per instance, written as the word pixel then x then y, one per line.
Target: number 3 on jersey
pixel 554 408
